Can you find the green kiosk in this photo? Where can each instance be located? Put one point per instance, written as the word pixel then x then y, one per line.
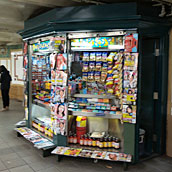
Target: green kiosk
pixel 96 82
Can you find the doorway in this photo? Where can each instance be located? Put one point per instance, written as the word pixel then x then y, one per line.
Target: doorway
pixel 150 117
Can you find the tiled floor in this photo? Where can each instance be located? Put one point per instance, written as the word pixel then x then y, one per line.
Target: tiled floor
pixel 18 155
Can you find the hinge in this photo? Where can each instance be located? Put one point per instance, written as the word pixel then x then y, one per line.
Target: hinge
pixel 157 52
pixel 155 95
pixel 154 138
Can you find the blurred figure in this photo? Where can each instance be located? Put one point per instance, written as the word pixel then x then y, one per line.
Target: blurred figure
pixel 5 80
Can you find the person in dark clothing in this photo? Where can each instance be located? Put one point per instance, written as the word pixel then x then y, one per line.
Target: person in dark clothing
pixel 5 80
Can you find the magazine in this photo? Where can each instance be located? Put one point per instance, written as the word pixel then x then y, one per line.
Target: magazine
pixel 86 153
pixel 112 156
pixel 98 155
pixel 72 152
pixel 44 144
pixel 60 150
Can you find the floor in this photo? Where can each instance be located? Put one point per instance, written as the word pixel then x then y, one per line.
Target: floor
pixel 18 155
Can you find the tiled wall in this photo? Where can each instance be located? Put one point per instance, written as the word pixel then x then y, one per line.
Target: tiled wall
pixel 14 64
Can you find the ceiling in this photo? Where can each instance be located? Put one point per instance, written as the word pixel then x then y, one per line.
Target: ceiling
pixel 13 13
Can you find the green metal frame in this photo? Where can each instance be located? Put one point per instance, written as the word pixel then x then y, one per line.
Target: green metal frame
pixel 59 20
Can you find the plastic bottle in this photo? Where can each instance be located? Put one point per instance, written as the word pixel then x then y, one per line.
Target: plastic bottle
pixel 71 139
pixel 74 139
pixel 85 140
pixel 105 143
pixel 117 143
pixel 109 142
pixel 81 142
pixel 94 142
pixel 101 143
pixel 89 141
pixel 113 142
pixel 97 142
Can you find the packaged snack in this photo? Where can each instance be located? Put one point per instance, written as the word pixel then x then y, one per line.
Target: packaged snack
pixel 109 83
pixel 91 66
pixel 104 66
pixel 98 56
pixel 109 77
pixel 110 57
pixel 85 67
pixel 116 56
pixel 98 66
pixel 110 67
pixel 110 71
pixel 97 76
pixel 115 72
pixel 84 76
pixel 91 76
pixel 93 56
pixel 110 91
pixel 103 76
pixel 85 56
pixel 118 66
pixel 104 56
pixel 115 76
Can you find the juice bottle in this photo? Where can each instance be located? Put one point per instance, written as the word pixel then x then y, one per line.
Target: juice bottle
pixel 105 143
pixel 81 142
pixel 89 141
pixel 94 142
pixel 74 139
pixel 117 143
pixel 85 140
pixel 101 143
pixel 71 139
pixel 113 142
pixel 97 142
pixel 109 142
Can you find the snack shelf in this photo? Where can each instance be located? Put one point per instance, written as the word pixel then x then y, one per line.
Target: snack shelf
pixel 39 103
pixel 94 96
pixel 93 114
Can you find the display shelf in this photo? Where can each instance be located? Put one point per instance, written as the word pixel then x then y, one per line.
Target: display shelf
pixel 46 149
pixel 41 104
pixel 93 114
pixel 40 81
pixel 85 152
pixel 96 148
pixel 94 96
pixel 42 134
pixel 115 49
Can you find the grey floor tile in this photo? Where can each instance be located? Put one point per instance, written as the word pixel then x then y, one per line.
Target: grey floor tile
pixel 19 148
pixel 2 166
pixel 25 153
pixel 5 171
pixel 24 168
pixel 14 163
pixel 51 169
pixel 4 145
pixel 8 157
pixel 32 159
pixel 41 165
pixel 68 169
pixel 5 151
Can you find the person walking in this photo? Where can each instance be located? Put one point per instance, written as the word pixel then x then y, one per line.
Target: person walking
pixel 5 80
